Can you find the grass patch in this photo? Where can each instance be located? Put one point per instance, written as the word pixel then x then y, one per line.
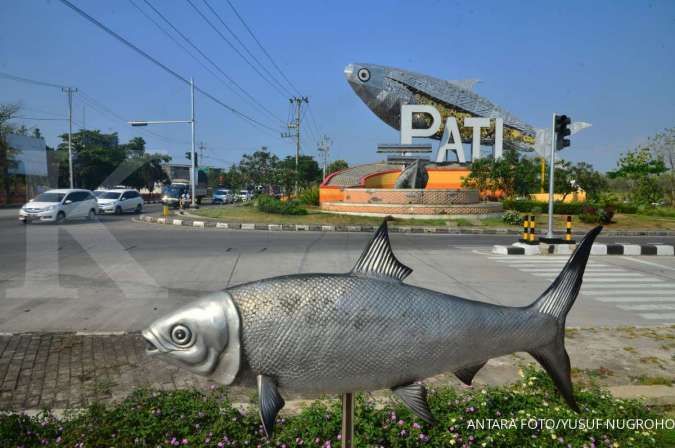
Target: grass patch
pixel 652 380
pixel 630 349
pixel 250 214
pixel 316 216
pixel 208 419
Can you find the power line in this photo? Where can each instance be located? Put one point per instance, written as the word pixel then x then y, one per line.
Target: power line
pixel 164 67
pixel 250 31
pixel 247 97
pixel 213 11
pixel 31 81
pixel 222 36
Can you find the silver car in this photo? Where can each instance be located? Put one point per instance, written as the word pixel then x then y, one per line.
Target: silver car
pixel 59 205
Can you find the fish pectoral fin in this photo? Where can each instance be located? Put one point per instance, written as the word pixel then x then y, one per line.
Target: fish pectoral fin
pixel 466 374
pixel 271 402
pixel 414 396
pixel 379 260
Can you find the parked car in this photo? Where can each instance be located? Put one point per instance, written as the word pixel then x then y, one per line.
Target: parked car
pixel 120 201
pixel 244 195
pixel 59 205
pixel 222 196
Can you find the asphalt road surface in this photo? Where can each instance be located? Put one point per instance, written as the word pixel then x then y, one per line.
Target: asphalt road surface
pixel 118 275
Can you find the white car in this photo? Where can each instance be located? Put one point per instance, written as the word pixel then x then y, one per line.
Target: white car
pixel 244 195
pixel 59 205
pixel 119 201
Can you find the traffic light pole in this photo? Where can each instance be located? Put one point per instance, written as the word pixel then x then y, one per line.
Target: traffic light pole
pixel 193 159
pixel 551 171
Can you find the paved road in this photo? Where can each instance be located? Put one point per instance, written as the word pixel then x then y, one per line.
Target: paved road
pixel 116 275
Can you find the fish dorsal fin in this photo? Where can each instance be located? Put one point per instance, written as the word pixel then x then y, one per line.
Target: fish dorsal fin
pixel 467 84
pixel 379 260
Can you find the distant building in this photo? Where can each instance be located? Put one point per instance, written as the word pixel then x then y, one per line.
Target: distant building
pixel 29 175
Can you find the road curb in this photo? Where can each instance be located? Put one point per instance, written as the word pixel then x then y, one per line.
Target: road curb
pixel 656 250
pixel 369 228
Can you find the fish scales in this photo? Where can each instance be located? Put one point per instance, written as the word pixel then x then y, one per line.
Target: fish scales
pixel 340 333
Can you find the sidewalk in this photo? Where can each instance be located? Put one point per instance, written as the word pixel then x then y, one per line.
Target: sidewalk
pixel 68 370
pixel 191 220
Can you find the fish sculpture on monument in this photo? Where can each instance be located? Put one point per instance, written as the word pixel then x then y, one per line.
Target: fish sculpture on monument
pixel 364 330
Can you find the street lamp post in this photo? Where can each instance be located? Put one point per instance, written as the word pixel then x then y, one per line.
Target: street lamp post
pixel 191 121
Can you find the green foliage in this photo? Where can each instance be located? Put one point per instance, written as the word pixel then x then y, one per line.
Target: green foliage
pixel 529 206
pixel 641 169
pixel 208 419
pixel 336 165
pixel 269 204
pixel 310 195
pixel 592 214
pixel 512 217
pixel 512 175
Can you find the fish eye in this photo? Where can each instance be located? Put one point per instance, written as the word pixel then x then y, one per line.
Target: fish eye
pixel 181 335
pixel 363 74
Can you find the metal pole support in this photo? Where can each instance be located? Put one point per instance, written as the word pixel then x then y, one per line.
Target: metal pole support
pixel 347 434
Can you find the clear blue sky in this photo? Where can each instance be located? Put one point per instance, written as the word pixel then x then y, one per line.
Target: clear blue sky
pixel 611 63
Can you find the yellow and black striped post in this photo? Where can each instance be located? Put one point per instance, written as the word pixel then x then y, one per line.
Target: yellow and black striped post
pixel 533 224
pixel 526 228
pixel 568 228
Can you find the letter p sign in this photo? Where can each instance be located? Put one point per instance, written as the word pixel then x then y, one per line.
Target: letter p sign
pixel 407 131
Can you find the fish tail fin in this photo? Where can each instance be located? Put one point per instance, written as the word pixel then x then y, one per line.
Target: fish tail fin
pixel 557 301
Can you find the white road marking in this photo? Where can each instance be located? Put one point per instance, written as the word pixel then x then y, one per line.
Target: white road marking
pixel 649 263
pixel 646 307
pixel 601 274
pixel 633 292
pixel 635 299
pixel 657 316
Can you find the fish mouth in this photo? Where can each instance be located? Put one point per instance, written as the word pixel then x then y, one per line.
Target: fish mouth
pixel 151 343
pixel 349 71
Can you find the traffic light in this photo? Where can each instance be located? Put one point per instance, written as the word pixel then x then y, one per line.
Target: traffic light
pixel 188 155
pixel 562 131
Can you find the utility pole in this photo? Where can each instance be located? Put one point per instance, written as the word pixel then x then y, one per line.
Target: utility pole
pixel 324 149
pixel 193 161
pixel 69 91
pixel 295 124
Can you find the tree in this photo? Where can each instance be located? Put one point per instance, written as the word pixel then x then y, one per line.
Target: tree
pixel 511 175
pixel 259 168
pixel 336 165
pixel 588 179
pixel 308 174
pixel 7 154
pixel 641 168
pixel 662 146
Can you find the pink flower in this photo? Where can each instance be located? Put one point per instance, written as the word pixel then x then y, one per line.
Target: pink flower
pixel 416 425
pixel 401 423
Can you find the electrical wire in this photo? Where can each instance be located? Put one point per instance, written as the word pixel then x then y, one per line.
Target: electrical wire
pixel 165 68
pixel 233 34
pixel 250 32
pixel 31 81
pixel 247 96
pixel 236 50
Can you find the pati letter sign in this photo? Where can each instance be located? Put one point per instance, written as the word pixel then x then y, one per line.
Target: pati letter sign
pixel 451 139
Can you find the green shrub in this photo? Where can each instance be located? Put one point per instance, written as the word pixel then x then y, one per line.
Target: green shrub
pixel 310 195
pixel 512 217
pixel 268 204
pixel 626 208
pixel 207 419
pixel 529 206
pixel 591 214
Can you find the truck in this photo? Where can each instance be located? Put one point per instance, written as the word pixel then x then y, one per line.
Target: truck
pixel 180 182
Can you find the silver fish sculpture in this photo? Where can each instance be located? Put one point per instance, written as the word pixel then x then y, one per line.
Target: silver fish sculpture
pixel 384 89
pixel 361 331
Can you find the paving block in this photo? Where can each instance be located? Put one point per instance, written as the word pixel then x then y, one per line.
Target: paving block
pixel 599 249
pixel 221 225
pixel 161 220
pixel 304 227
pixel 247 226
pixel 177 222
pixel 530 249
pixel 276 227
pixel 198 224
pixel 507 250
pixel 632 249
pixel 327 228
